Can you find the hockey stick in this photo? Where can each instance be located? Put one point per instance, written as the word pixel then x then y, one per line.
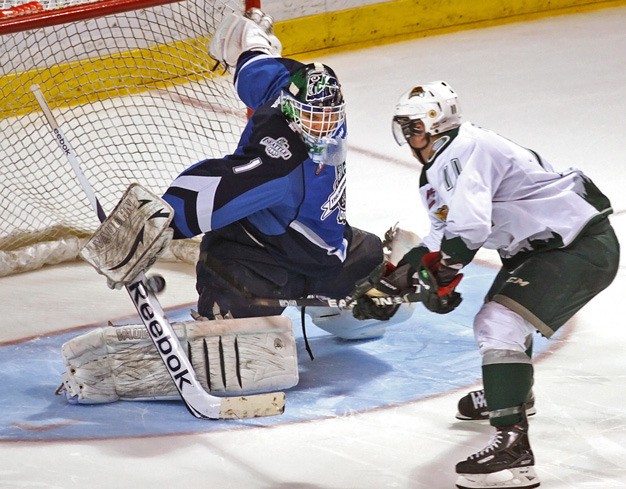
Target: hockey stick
pixel 198 401
pixel 346 303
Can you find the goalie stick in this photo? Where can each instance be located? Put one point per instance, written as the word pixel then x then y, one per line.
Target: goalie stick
pixel 199 402
pixel 345 303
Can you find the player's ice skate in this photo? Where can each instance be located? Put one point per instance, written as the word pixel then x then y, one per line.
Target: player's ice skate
pixel 473 406
pixel 506 462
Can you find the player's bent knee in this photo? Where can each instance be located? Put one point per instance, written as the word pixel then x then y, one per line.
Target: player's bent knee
pixel 497 327
pixel 231 357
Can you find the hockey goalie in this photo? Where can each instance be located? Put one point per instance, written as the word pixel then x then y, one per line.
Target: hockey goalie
pixel 273 220
pixel 231 357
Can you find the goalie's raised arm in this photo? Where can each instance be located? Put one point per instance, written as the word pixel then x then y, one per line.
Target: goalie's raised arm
pixel 253 31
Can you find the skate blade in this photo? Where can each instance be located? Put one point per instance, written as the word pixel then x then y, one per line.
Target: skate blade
pixel 529 412
pixel 520 478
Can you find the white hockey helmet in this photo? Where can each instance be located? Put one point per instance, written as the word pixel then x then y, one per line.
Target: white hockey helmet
pixel 434 103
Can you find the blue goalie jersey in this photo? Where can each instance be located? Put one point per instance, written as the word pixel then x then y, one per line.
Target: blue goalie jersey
pixel 268 187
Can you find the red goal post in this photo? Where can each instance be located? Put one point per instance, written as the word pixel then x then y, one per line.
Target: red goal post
pixel 132 86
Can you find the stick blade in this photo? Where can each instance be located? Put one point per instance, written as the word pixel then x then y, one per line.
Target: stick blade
pixel 255 406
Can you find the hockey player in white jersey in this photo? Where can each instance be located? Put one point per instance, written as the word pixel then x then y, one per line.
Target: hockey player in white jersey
pixel 557 247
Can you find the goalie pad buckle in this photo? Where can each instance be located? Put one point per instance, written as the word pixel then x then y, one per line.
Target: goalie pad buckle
pixel 132 237
pixel 231 357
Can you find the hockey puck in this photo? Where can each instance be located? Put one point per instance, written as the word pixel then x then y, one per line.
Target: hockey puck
pixel 155 283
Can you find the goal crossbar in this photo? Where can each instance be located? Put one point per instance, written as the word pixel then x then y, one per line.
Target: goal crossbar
pixel 85 11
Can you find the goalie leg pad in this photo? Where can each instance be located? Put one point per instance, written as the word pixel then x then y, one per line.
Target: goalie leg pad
pixel 232 357
pixel 132 238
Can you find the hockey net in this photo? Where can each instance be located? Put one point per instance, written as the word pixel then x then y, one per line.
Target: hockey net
pixel 134 90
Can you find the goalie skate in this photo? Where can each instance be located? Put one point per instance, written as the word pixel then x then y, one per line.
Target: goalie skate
pixel 397 242
pixel 473 406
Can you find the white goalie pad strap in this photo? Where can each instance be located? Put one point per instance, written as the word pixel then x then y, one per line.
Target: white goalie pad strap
pixel 238 33
pixel 231 357
pixel 132 238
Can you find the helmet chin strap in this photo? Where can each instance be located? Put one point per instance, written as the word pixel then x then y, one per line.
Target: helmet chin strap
pixel 418 151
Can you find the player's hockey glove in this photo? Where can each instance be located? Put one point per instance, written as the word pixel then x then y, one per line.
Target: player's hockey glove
pixel 384 281
pixel 437 284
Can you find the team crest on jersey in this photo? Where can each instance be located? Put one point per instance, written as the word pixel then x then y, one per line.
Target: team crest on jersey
pixel 337 199
pixel 276 148
pixel 442 213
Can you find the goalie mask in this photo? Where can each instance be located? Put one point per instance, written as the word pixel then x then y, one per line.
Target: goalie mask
pixel 434 103
pixel 312 101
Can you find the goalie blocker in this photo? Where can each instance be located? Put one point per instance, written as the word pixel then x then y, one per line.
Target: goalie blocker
pixel 131 238
pixel 231 357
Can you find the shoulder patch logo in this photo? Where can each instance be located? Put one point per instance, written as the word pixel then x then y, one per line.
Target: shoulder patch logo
pixel 276 148
pixel 442 212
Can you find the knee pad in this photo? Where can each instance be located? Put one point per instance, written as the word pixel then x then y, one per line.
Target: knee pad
pixel 497 327
pixel 341 323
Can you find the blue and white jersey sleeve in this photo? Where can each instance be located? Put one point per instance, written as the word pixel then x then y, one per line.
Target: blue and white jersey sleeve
pixel 258 176
pixel 259 77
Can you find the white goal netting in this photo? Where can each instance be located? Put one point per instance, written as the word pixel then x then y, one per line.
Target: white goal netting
pixel 135 94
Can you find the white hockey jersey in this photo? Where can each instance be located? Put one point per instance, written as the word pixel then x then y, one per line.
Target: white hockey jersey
pixel 482 190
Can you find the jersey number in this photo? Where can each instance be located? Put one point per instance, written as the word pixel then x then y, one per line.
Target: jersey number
pixel 451 172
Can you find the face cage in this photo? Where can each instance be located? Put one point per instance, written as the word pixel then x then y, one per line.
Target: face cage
pixel 315 123
pixel 403 128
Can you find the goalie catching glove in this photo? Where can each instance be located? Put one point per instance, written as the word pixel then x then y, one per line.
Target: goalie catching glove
pixel 237 33
pixel 437 284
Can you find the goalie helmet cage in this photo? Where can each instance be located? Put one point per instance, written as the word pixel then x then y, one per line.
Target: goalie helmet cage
pixel 133 88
